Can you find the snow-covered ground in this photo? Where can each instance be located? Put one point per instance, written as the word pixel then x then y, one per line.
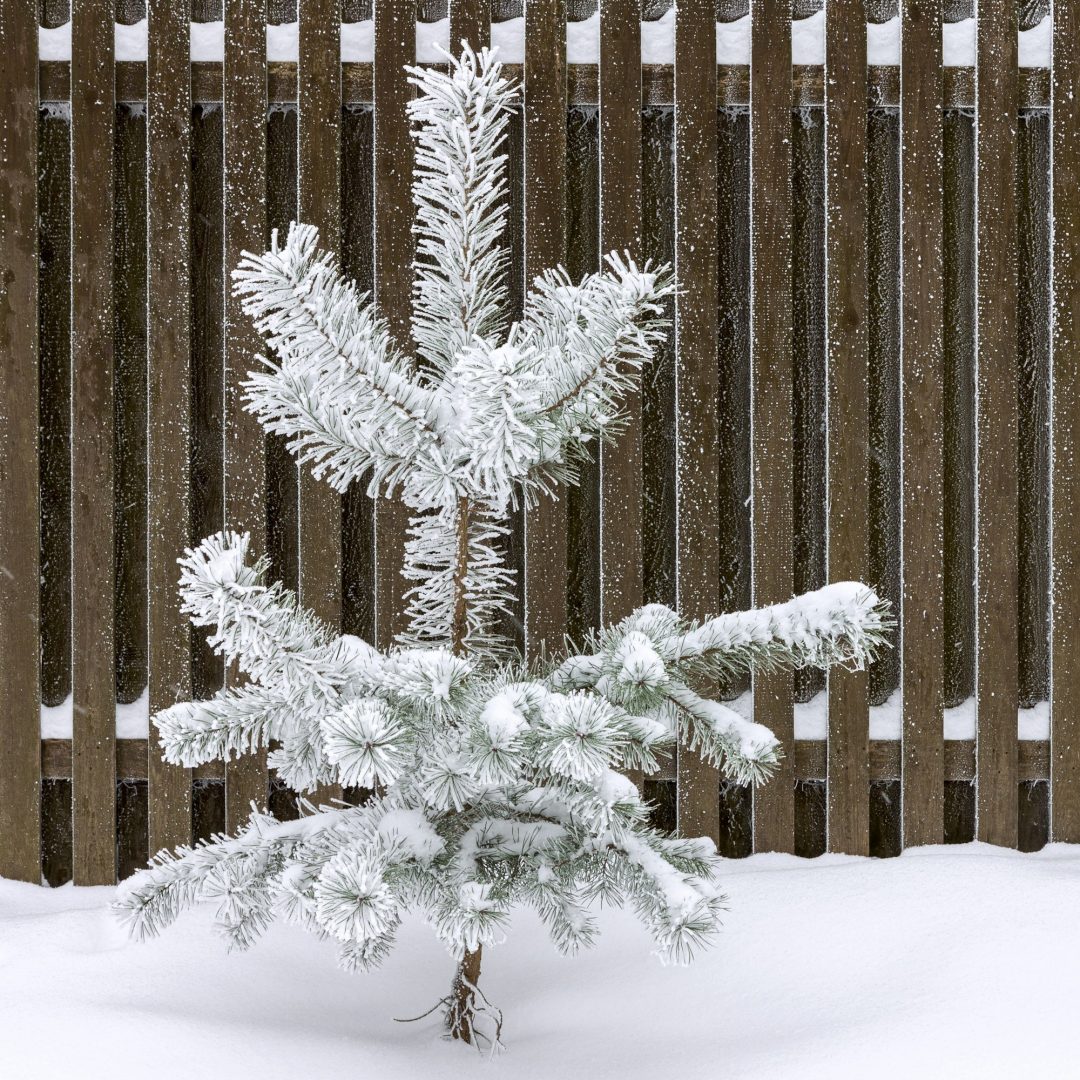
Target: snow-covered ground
pixel 947 962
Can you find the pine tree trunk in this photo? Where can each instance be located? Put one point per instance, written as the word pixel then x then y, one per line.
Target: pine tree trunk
pixel 460 1015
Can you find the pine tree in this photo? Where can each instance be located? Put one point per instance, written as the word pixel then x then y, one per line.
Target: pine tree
pixel 493 782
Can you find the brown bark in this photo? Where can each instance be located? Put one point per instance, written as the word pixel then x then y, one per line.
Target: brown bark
pixel 460 626
pixel 460 1015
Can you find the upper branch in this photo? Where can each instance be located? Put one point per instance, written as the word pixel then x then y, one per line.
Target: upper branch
pixel 460 193
pixel 340 390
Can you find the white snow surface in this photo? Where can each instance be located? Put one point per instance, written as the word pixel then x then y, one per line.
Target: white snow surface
pixel 957 962
pixel 886 719
pixel 582 41
pixel 132 719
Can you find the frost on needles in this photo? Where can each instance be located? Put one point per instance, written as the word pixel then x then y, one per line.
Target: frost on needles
pixel 492 782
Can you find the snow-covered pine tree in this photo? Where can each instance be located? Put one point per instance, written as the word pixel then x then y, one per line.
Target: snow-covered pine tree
pixel 493 782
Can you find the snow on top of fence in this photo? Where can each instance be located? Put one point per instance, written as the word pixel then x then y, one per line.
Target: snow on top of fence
pixel 582 41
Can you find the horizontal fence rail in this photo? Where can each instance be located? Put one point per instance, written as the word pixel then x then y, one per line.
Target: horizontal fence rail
pixel 872 374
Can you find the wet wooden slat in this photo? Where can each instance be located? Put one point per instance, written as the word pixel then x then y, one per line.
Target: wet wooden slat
pixel 921 435
pixel 996 421
pixel 697 448
pixel 771 359
pixel 1065 510
pixel 545 242
pixel 93 661
pixel 245 226
pixel 168 388
pixel 20 681
pixel 470 20
pixel 318 203
pixel 621 588
pixel 847 806
pixel 394 47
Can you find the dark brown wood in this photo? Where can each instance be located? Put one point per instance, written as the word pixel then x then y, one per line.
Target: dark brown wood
pixel 657 84
pixel 20 682
pixel 394 47
pixel 470 20
pixel 245 226
pixel 545 245
pixel 921 435
pixel 131 761
pixel 847 806
pixel 697 447
pixel 1065 558
pixel 93 661
pixel 621 588
pixel 168 77
pixel 996 422
pixel 811 761
pixel 771 359
pixel 318 203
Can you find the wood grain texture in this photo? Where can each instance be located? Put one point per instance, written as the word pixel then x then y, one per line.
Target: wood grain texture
pixel 470 20
pixel 245 228
pixel 545 245
pixel 20 682
pixel 318 203
pixel 657 83
pixel 697 438
pixel 922 433
pixel 621 589
pixel 168 83
pixel 1065 558
pixel 996 420
pixel 93 660
pixel 394 245
pixel 771 402
pixel 847 806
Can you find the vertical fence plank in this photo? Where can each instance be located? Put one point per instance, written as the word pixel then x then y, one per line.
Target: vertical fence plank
pixel 996 462
pixel 771 307
pixel 697 446
pixel 545 243
pixel 470 20
pixel 245 228
pixel 1065 663
pixel 168 89
pixel 20 683
pixel 621 589
pixel 93 661
pixel 922 411
pixel 848 806
pixel 395 46
pixel 318 203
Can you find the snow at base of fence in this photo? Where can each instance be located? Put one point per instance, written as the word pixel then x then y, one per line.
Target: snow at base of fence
pixel 582 41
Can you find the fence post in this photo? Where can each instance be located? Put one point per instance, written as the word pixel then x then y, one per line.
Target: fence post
pixel 921 379
pixel 168 142
pixel 20 680
pixel 545 246
pixel 245 227
pixel 848 780
pixel 1065 555
pixel 996 421
pixel 771 395
pixel 92 639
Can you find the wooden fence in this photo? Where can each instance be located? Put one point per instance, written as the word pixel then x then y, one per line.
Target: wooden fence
pixel 875 373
